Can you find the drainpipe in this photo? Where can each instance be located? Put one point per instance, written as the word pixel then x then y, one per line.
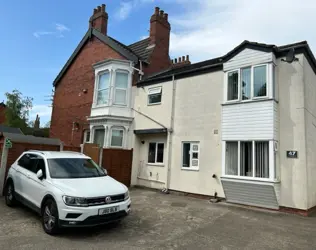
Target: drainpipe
pixel 170 131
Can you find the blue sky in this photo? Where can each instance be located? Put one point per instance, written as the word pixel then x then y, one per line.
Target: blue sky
pixel 39 36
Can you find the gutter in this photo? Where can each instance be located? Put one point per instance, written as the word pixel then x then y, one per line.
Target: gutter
pixel 170 136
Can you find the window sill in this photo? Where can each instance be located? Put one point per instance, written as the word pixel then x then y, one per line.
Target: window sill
pixel 153 104
pixel 263 99
pixel 155 164
pixel 248 179
pixel 190 169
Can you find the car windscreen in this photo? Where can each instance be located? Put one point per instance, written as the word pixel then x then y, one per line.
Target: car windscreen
pixel 67 168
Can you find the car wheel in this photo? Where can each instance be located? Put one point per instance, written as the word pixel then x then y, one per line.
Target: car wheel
pixel 50 217
pixel 10 195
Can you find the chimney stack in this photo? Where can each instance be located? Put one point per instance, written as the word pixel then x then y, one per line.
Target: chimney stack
pixel 99 19
pixel 160 29
pixel 180 62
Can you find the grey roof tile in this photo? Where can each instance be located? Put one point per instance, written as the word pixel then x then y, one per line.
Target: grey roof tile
pixel 6 129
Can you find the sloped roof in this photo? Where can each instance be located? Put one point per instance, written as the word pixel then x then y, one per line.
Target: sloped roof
pixel 142 49
pixel 133 52
pixel 217 63
pixel 30 139
pixel 2 104
pixel 6 129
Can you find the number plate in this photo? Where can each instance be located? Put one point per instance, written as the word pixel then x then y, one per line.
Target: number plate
pixel 108 210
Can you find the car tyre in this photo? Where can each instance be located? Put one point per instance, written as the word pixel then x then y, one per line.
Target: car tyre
pixel 10 195
pixel 50 219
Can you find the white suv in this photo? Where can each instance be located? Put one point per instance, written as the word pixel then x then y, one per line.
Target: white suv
pixel 67 189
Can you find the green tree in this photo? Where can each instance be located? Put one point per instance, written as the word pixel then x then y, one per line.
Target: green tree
pixel 17 111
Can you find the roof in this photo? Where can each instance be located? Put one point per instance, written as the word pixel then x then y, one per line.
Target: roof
pixel 2 104
pixel 134 52
pixel 30 139
pixel 216 64
pixel 142 49
pixel 59 154
pixel 6 129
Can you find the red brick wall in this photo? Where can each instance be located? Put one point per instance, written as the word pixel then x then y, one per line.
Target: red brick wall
pixel 68 106
pixel 2 114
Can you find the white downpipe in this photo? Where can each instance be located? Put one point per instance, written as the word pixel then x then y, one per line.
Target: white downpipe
pixel 170 131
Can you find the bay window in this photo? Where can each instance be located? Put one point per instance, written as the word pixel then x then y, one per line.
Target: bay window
pixel 121 84
pixel 113 83
pixel 249 83
pixel 248 159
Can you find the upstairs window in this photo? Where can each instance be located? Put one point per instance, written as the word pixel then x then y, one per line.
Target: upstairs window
pixel 248 83
pixel 232 93
pixel 103 89
pixel 121 84
pixel 260 81
pixel 154 95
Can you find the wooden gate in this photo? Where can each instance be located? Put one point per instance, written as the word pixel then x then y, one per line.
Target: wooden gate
pixel 118 163
pixel 93 151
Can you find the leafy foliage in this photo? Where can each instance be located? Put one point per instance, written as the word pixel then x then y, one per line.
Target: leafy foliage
pixel 17 109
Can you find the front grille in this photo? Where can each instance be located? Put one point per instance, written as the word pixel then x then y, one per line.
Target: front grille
pixel 101 200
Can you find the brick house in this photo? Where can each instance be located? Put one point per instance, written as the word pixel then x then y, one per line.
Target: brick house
pixel 93 91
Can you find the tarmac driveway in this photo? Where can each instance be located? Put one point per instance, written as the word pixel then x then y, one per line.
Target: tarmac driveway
pixel 161 221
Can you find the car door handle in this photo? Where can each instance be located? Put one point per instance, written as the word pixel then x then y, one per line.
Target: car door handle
pixel 28 176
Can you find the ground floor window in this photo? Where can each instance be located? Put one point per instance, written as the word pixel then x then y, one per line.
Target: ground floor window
pixel 99 135
pixel 190 155
pixel 117 137
pixel 247 158
pixel 86 136
pixel 155 152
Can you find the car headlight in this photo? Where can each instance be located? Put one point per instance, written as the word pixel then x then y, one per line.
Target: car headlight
pixel 75 201
pixel 126 196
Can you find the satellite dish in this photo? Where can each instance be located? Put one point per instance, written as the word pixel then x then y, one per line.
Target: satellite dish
pixel 290 57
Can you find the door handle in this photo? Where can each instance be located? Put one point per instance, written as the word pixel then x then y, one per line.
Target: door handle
pixel 28 176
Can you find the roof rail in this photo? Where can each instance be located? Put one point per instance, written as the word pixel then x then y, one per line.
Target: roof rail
pixel 37 151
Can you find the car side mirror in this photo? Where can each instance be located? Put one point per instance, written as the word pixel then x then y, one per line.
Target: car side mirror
pixel 105 171
pixel 39 174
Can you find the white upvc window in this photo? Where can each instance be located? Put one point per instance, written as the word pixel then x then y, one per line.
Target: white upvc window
pixel 86 136
pixel 117 136
pixel 103 88
pixel 249 159
pixel 190 155
pixel 121 87
pixel 249 83
pixel 113 82
pixel 156 152
pixel 154 95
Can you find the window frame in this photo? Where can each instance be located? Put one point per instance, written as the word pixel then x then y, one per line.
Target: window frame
pixel 270 70
pixel 125 89
pixel 156 150
pixel 123 137
pixel 271 161
pixel 160 92
pixel 191 168
pixel 85 133
pixel 97 87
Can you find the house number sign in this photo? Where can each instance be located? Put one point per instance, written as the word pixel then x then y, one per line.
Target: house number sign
pixel 291 154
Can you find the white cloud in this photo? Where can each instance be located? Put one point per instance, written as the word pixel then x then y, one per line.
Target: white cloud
pixel 58 31
pixel 43 111
pixel 126 8
pixel 212 28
